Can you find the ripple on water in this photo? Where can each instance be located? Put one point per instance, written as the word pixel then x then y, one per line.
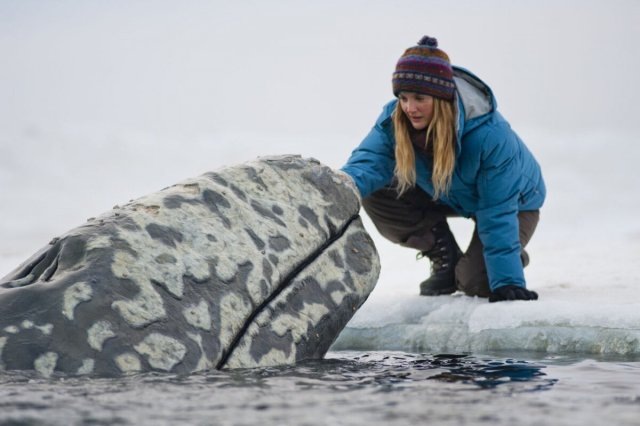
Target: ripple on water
pixel 347 388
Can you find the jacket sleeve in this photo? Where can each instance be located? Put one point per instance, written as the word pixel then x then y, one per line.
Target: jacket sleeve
pixel 497 217
pixel 372 163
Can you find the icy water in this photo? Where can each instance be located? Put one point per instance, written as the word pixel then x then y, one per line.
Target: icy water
pixel 347 388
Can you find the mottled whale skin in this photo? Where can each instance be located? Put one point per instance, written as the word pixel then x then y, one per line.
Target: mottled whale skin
pixel 257 264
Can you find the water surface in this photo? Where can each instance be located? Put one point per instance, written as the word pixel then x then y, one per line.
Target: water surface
pixel 347 388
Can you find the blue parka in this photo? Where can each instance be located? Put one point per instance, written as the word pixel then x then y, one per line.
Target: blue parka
pixel 495 175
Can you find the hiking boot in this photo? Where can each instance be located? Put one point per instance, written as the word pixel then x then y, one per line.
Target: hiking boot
pixel 444 256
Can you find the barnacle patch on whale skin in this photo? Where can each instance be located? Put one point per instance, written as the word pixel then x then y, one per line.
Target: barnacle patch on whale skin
pixel 98 333
pixel 273 357
pixel 191 188
pixel 46 363
pixel 162 352
pixel 279 357
pixel 128 363
pixel 86 368
pixel 73 296
pixel 147 306
pixel 26 324
pixel 46 329
pixel 99 242
pixel 166 258
pixel 198 315
pixel 144 309
pixel 148 209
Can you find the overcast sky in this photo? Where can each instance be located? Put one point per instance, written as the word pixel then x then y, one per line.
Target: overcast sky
pixel 280 66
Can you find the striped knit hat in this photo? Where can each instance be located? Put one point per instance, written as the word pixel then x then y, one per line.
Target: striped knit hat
pixel 425 69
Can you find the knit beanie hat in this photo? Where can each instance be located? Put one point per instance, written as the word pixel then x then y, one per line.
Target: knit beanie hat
pixel 425 69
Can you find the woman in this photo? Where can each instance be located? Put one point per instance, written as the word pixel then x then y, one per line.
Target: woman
pixel 442 149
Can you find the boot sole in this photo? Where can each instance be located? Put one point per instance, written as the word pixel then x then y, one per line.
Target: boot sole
pixel 441 292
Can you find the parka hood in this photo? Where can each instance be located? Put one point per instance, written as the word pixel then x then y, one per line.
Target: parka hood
pixel 474 99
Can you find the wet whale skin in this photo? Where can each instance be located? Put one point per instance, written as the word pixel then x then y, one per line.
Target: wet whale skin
pixel 257 264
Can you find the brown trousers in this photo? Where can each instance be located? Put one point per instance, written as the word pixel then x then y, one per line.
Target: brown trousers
pixel 408 221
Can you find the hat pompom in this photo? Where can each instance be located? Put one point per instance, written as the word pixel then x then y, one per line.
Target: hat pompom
pixel 428 41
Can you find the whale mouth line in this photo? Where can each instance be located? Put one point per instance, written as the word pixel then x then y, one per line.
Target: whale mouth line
pixel 286 281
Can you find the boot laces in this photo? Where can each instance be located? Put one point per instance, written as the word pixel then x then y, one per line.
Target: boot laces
pixel 437 255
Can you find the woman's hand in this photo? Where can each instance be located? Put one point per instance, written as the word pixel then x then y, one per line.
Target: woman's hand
pixel 512 292
pixel 348 180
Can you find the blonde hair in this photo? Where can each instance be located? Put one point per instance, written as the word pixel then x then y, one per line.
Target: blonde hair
pixel 440 134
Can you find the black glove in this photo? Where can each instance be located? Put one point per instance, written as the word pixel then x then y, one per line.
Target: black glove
pixel 512 292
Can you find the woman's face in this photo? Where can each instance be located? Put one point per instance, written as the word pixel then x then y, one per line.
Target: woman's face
pixel 418 108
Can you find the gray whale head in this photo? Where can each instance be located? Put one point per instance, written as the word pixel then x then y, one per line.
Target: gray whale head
pixel 258 264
